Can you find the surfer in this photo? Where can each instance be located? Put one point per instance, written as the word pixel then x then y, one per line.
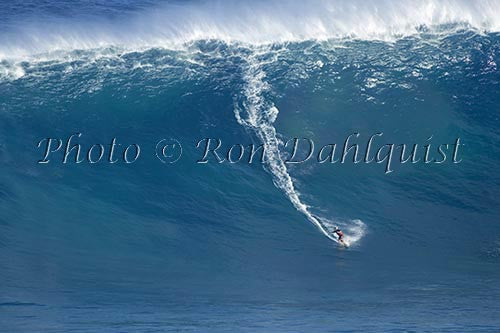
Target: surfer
pixel 340 234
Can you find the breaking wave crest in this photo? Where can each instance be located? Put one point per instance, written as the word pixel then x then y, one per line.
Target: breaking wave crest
pixel 256 22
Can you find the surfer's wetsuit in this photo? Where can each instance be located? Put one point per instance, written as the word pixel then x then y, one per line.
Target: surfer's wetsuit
pixel 340 234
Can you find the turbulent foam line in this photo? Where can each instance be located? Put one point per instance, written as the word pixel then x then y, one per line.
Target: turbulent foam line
pixel 252 22
pixel 259 115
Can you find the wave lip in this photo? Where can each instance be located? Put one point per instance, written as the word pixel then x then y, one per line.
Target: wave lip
pixel 258 22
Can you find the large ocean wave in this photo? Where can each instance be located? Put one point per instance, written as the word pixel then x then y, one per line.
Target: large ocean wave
pixel 229 247
pixel 255 38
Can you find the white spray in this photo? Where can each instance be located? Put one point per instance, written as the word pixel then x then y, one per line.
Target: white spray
pixel 259 115
pixel 253 22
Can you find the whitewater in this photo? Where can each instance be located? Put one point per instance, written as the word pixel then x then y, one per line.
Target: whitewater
pixel 174 25
pixel 260 116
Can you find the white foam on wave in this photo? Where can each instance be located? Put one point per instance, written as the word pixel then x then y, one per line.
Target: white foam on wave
pixel 252 22
pixel 11 71
pixel 259 115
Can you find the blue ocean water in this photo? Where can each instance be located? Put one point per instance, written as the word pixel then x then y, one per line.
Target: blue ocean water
pixel 215 247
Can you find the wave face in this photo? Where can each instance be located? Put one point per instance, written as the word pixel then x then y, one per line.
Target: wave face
pixel 153 246
pixel 260 117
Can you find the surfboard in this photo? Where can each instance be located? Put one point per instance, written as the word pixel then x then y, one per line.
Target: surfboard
pixel 344 244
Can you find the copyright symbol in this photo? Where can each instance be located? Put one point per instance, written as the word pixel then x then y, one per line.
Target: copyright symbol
pixel 168 150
